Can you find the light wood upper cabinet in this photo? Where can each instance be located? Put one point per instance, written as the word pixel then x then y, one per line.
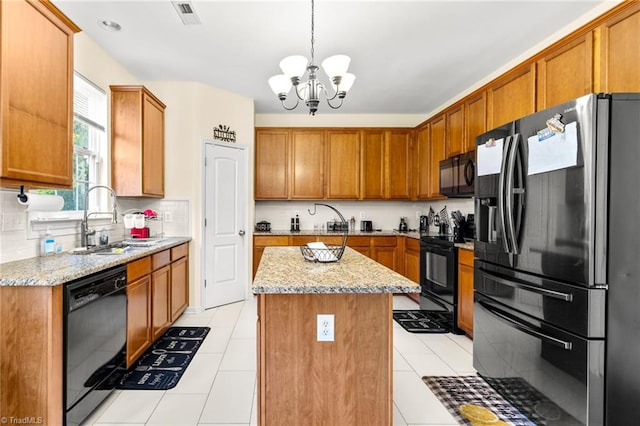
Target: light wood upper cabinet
pixel 343 164
pixel 373 164
pixel 36 95
pixel 475 123
pixel 421 166
pixel 511 96
pixel 566 72
pixel 455 131
pixel 307 164
pixel 137 142
pixel 272 164
pixel 436 154
pixel 619 66
pixel 398 164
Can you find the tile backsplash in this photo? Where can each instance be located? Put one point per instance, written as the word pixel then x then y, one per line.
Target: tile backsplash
pixel 384 214
pixel 24 242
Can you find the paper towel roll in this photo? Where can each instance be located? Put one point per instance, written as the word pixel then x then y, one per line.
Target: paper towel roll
pixel 42 202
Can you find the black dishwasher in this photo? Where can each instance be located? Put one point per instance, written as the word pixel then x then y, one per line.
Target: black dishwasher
pixel 95 335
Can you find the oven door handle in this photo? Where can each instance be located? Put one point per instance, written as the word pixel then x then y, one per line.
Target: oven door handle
pixel 567 297
pixel 524 327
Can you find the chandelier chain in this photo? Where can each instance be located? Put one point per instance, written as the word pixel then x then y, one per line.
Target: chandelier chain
pixel 312 31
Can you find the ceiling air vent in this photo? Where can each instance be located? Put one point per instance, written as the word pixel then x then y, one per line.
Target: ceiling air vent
pixel 186 12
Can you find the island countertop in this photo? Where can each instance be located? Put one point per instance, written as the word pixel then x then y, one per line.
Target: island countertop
pixel 284 270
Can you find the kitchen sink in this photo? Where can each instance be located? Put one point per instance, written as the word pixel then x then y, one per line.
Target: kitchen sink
pixel 143 242
pixel 109 249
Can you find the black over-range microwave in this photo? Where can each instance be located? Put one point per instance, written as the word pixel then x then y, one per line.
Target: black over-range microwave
pixel 457 175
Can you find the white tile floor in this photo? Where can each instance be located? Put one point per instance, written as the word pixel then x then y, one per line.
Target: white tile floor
pixel 219 387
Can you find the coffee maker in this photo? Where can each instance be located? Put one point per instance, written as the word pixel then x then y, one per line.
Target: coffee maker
pixel 424 223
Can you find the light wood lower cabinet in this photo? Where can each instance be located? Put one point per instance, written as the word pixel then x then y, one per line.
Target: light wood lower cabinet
pixel 412 263
pixel 160 281
pixel 158 293
pixel 31 322
pixel 384 251
pixel 465 291
pixel 138 318
pixel 179 292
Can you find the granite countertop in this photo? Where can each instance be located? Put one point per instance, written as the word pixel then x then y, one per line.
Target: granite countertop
pixel 284 270
pixel 64 267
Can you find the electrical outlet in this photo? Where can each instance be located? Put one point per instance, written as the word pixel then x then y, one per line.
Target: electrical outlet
pixel 13 222
pixel 325 328
pixel 168 216
pixel 362 215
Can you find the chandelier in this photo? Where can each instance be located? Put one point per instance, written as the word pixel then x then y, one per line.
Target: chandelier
pixel 293 67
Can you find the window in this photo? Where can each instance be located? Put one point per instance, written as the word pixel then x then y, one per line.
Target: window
pixel 89 144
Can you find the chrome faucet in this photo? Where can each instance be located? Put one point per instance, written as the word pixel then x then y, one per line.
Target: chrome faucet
pixel 84 226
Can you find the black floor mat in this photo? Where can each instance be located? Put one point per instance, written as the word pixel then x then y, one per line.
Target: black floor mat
pixel 417 321
pixel 162 365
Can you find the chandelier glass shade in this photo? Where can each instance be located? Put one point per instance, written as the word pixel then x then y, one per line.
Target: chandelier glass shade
pixel 293 69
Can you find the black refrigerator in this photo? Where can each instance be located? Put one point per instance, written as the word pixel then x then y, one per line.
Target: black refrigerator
pixel 557 271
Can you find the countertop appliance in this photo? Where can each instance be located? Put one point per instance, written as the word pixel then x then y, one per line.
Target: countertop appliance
pixel 557 274
pixel 457 176
pixel 95 336
pixel 424 223
pixel 439 277
pixel 366 226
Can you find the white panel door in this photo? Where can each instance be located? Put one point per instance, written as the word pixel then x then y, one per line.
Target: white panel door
pixel 225 259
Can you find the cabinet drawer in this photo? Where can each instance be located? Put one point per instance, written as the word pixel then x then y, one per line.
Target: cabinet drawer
pixel 412 244
pixel 180 251
pixel 384 241
pixel 358 241
pixel 161 259
pixel 138 268
pixel 302 240
pixel 280 240
pixel 465 257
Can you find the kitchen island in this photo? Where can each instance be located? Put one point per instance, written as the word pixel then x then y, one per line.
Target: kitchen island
pixel 347 381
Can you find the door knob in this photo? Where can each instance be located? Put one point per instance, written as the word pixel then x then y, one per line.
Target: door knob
pixel 241 232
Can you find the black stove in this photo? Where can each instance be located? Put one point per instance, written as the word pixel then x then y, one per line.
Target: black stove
pixel 441 239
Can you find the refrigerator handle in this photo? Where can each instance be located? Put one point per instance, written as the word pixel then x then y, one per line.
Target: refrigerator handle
pixel 567 297
pixel 511 191
pixel 502 182
pixel 524 327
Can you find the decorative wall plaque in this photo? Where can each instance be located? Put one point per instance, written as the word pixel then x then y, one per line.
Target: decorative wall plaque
pixel 223 133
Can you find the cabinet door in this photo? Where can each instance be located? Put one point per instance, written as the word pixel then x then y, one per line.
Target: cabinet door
pixel 422 169
pixel 138 318
pixel 566 72
pixel 137 142
pixel 36 113
pixel 384 250
pixel 511 97
pixel 398 164
pixel 620 51
pixel 372 160
pixel 307 164
pixel 343 164
pixel 272 165
pixel 455 131
pixel 465 291
pixel 179 287
pixel 152 146
pixel 475 123
pixel 161 318
pixel 412 260
pixel 436 154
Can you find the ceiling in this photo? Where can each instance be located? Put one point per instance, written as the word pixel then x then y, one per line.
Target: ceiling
pixel 409 57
